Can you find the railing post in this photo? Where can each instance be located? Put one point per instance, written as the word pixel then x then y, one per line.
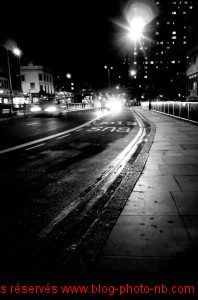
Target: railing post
pixel 188 111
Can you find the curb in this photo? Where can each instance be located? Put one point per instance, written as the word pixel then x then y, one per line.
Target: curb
pixel 81 262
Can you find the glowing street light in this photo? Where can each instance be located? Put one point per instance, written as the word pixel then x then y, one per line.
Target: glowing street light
pixel 17 52
pixel 68 75
pixel 108 70
pixel 133 72
pixel 136 28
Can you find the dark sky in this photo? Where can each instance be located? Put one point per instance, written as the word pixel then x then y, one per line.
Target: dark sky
pixel 74 36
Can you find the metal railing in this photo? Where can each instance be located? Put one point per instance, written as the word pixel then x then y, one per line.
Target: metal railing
pixel 183 110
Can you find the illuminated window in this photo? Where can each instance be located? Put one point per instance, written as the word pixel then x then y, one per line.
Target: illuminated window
pixel 145 76
pixel 152 62
pixel 161 43
pixel 174 32
pixel 174 37
pixel 162 52
pixel 184 42
pixel 157 33
pixel 184 12
pixel 168 47
pixel 174 13
pixel 172 61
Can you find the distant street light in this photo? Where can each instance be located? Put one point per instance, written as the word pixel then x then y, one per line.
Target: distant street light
pixel 108 70
pixel 133 72
pixel 68 75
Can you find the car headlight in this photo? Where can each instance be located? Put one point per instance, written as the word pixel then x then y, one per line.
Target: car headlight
pixel 35 108
pixel 98 105
pixel 50 109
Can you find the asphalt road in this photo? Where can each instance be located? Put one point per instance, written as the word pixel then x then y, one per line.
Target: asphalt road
pixel 47 163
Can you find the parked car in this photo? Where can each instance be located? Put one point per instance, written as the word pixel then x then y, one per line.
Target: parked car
pixel 45 107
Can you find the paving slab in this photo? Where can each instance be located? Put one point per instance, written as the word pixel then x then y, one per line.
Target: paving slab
pixel 191 223
pixel 178 169
pixel 186 202
pixel 150 203
pixel 156 183
pixel 188 183
pixel 147 236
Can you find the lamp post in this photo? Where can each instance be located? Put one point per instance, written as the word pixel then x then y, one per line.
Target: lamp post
pixel 10 81
pixel 18 53
pixel 108 70
pixel 136 30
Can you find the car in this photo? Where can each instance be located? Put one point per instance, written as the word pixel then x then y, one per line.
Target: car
pixel 101 105
pixel 46 108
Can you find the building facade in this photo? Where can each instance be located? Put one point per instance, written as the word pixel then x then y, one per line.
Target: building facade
pixel 192 65
pixel 37 81
pixel 161 58
pixel 10 86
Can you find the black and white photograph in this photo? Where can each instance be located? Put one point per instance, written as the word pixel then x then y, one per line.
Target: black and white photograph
pixel 99 149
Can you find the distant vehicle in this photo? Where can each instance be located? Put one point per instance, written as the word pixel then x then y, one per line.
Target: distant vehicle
pixel 47 108
pixel 101 105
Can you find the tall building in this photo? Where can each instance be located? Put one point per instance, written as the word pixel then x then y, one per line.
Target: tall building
pixel 192 64
pixel 161 59
pixel 36 81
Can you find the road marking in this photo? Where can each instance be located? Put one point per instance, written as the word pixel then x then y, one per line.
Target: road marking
pixel 47 138
pixel 114 169
pixel 35 147
pixel 61 137
pixel 32 123
pixel 79 129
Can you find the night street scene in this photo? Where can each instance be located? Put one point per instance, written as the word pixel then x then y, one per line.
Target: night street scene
pixel 99 149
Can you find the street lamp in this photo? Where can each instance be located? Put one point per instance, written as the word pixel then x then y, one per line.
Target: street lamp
pixel 136 29
pixel 108 70
pixel 10 81
pixel 18 53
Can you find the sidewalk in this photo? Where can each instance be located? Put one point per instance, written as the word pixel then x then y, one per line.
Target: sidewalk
pixel 156 235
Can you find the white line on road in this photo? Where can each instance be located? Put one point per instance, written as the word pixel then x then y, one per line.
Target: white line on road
pixel 61 137
pixel 32 123
pixel 35 147
pixel 79 129
pixel 46 138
